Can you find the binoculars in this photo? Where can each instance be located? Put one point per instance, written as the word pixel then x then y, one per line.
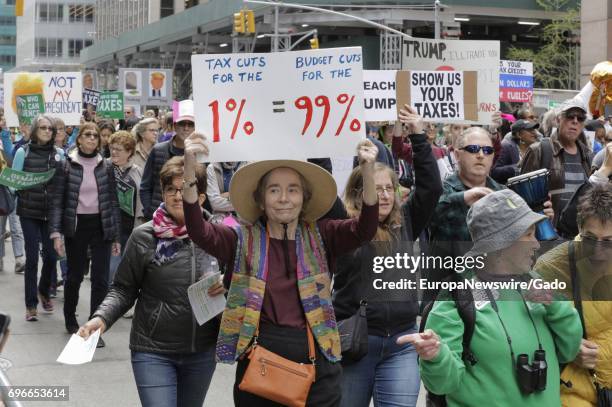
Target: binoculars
pixel 531 377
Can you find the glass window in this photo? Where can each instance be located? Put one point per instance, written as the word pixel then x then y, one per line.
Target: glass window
pixel 43 12
pixel 167 8
pixel 41 47
pixel 89 14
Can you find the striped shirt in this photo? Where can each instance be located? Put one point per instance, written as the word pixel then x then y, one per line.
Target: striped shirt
pixel 574 177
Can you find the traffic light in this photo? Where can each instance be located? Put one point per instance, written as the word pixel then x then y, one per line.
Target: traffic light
pixel 239 22
pixel 19 8
pixel 250 22
pixel 314 43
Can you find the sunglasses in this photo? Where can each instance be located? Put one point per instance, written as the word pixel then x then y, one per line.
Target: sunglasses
pixel 475 149
pixel 581 118
pixel 90 135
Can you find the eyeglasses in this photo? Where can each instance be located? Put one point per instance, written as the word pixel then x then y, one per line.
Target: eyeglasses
pixel 171 191
pixel 571 116
pixel 185 124
pixel 475 149
pixel 593 239
pixel 90 135
pixel 45 128
pixel 381 190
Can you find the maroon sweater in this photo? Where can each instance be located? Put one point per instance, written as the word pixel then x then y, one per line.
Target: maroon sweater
pixel 281 305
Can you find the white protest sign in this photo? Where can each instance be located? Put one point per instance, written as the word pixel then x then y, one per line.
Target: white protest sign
pixel 62 94
pixel 459 55
pixel 379 95
pixel 439 96
pixel 292 105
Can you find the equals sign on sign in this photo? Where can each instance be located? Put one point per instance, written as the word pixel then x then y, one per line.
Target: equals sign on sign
pixel 278 106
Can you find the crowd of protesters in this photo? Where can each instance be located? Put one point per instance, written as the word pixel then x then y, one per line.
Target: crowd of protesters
pixel 296 258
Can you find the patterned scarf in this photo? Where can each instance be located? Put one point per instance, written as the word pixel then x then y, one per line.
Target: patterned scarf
pixel 170 236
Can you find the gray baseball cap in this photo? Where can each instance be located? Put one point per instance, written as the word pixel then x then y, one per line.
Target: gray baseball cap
pixel 499 219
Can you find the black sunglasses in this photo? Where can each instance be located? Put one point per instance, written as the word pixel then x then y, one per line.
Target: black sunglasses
pixel 571 116
pixel 475 149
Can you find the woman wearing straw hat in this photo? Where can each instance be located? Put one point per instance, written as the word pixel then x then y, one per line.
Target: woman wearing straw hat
pixel 279 264
pixel 513 331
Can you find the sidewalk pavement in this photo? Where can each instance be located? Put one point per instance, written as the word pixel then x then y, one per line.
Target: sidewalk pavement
pixel 33 347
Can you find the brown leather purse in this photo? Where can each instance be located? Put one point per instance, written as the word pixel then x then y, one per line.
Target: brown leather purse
pixel 275 378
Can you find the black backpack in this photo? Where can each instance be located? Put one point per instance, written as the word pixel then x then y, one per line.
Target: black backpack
pixel 464 302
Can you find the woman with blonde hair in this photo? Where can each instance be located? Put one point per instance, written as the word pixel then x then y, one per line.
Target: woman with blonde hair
pixel 145 132
pixel 388 371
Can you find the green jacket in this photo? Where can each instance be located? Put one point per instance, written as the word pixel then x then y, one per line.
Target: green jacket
pixel 492 381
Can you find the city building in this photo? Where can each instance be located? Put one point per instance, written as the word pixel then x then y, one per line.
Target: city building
pixel 173 33
pixel 596 36
pixel 7 35
pixel 52 33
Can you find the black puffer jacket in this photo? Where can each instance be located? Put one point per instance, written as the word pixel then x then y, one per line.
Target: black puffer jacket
pixel 163 320
pixel 390 311
pixel 34 202
pixel 66 187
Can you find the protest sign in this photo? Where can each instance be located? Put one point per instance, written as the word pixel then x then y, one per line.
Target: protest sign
pixel 151 87
pixel 24 180
pixel 439 96
pixel 379 95
pixel 110 105
pixel 515 81
pixel 459 55
pixel 61 92
pixel 28 107
pixel 90 98
pixel 280 105
pixel 125 196
pixel 157 87
pixel 90 80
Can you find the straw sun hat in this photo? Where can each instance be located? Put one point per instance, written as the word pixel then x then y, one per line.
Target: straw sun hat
pixel 245 180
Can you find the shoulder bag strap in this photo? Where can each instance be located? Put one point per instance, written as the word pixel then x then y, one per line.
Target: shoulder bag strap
pixel 312 356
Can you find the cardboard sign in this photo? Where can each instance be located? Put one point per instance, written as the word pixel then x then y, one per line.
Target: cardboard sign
pixel 110 105
pixel 439 96
pixel 24 180
pixel 459 55
pixel 147 87
pixel 61 91
pixel 280 105
pixel 125 196
pixel 90 98
pixel 28 107
pixel 379 95
pixel 515 81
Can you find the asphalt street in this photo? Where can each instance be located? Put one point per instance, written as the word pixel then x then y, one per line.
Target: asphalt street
pixel 33 348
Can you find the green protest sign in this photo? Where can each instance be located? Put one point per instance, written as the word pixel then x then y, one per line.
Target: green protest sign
pixel 28 107
pixel 24 180
pixel 125 195
pixel 110 105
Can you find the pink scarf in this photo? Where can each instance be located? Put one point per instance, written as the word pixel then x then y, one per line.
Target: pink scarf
pixel 170 236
